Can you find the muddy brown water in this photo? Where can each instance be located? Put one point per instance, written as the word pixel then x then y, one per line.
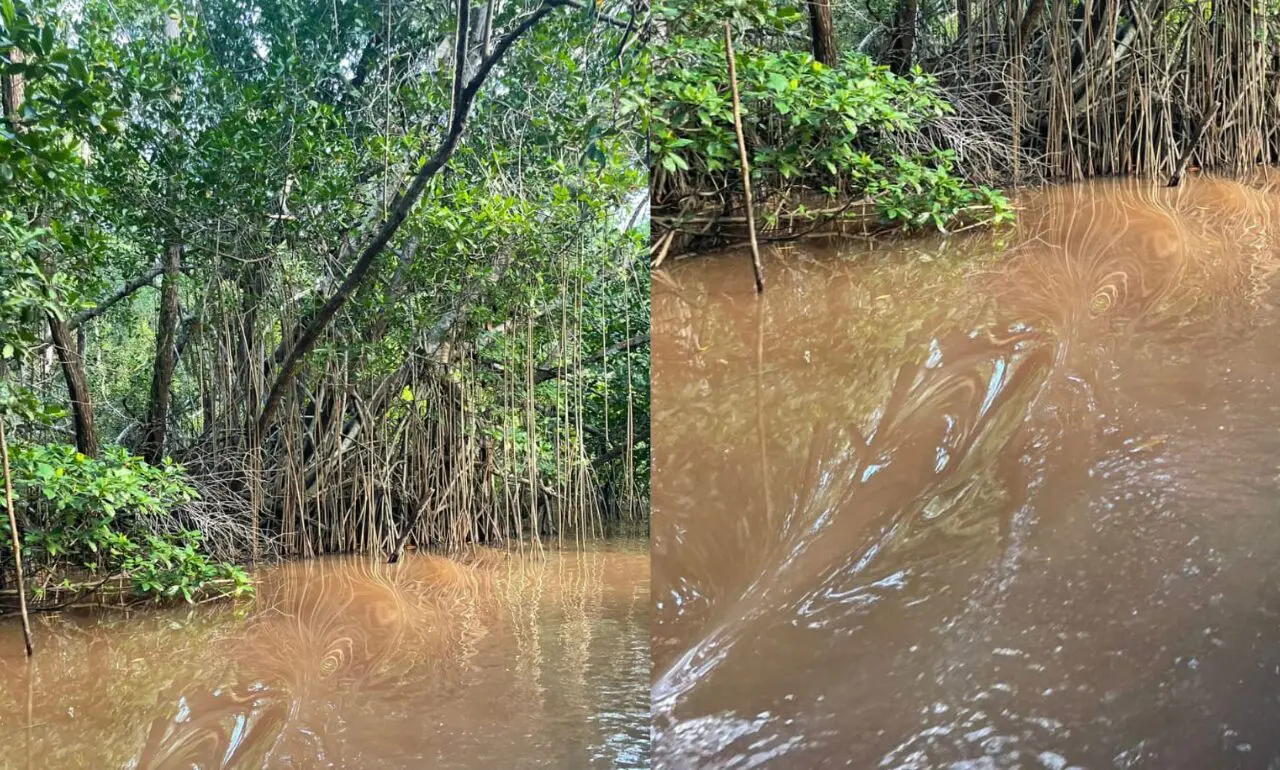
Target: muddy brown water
pixel 993 501
pixel 501 661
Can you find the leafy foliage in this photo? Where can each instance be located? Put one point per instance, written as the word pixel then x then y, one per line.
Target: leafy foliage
pixel 41 156
pixel 170 567
pixel 841 131
pixel 94 514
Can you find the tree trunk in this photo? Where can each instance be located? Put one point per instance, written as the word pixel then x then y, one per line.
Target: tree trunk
pixel 67 348
pixel 162 373
pixel 11 91
pixel 1029 22
pixel 64 341
pixel 903 43
pixel 821 32
pixel 64 344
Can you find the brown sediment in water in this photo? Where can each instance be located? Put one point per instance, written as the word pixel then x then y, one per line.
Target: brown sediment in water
pixel 491 660
pixel 1005 499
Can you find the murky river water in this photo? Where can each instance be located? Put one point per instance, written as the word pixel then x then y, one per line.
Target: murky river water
pixel 990 502
pixel 506 661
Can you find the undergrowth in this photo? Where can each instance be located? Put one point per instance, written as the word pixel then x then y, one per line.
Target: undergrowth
pixel 856 131
pixel 79 514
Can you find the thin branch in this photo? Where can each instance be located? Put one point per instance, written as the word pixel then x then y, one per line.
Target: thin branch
pixel 545 375
pixel 124 291
pixel 640 436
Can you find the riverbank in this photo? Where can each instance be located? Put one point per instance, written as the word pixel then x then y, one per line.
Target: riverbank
pixel 54 591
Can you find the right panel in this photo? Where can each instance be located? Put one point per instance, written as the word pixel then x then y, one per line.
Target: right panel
pixel 964 423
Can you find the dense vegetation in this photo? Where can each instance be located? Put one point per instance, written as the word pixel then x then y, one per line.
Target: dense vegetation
pixel 289 278
pixel 845 139
pixel 1064 89
pixel 914 109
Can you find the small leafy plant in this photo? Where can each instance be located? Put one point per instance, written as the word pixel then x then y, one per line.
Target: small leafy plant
pixel 167 568
pixel 97 514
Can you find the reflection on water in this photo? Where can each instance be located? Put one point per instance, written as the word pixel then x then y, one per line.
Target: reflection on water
pixel 495 661
pixel 1010 500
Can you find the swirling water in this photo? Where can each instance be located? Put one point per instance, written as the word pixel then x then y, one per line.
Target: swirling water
pixel 992 501
pixel 499 660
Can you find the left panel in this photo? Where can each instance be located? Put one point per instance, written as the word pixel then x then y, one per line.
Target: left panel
pixel 324 394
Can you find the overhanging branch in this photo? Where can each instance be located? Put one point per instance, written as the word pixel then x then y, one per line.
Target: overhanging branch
pixel 547 374
pixel 403 204
pixel 639 437
pixel 124 291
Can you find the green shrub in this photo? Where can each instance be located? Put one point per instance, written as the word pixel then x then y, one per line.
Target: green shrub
pixel 833 130
pixel 167 567
pixel 98 514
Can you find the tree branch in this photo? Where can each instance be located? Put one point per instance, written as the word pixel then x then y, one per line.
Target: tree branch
pixel 612 21
pixel 544 375
pixel 638 437
pixel 124 291
pixel 400 209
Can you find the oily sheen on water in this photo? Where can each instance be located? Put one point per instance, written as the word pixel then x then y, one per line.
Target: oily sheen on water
pixel 1008 500
pixel 494 659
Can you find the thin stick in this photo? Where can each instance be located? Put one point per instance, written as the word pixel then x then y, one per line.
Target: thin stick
pixel 17 542
pixel 742 156
pixel 1181 168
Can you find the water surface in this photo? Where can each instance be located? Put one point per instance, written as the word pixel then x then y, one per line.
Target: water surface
pixel 497 660
pixel 993 501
